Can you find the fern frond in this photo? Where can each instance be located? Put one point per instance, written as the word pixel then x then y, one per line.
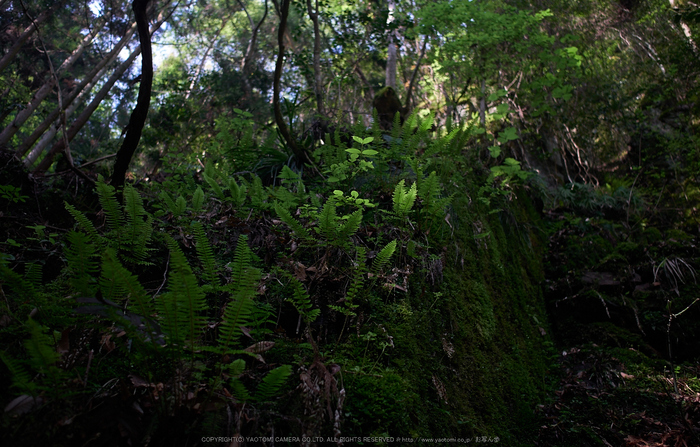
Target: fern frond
pixel 169 202
pixel 286 217
pixel 327 220
pixel 42 355
pixel 33 274
pixel 80 254
pixel 244 281
pixel 139 224
pixel 118 284
pixel 302 302
pixel 239 391
pixel 181 308
pixel 383 256
pixel 108 200
pixel 21 379
pixel 404 199
pixel 16 283
pixel 214 186
pixel 206 255
pixel 238 192
pixel 84 223
pixel 350 226
pixel 197 199
pixel 272 382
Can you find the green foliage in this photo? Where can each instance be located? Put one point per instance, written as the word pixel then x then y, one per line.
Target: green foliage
pixel 206 255
pixel 272 382
pixel 12 194
pixel 81 254
pixel 302 302
pixel 383 257
pixel 404 198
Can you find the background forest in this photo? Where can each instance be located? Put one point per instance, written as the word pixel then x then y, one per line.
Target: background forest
pixel 292 222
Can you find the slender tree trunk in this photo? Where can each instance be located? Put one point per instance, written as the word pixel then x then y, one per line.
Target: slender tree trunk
pixel 318 83
pixel 250 51
pixel 391 56
pixel 279 119
pixel 95 74
pixel 26 34
pixel 49 134
pixel 140 113
pixel 44 91
pixel 686 30
pixel 79 122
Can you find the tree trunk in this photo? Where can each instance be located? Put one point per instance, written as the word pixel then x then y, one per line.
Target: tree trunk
pixel 299 153
pixel 47 136
pixel 79 122
pixel 26 34
pixel 44 91
pixel 138 116
pixel 318 84
pixel 250 51
pixel 391 56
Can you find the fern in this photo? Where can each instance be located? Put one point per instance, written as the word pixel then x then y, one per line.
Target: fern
pixel 33 275
pixel 108 200
pixel 21 379
pixel 286 217
pixel 238 192
pixel 272 382
pixel 327 220
pixel 302 302
pixel 238 312
pixel 181 308
pixel 383 256
pixel 197 199
pixel 139 225
pixel 429 190
pixel 206 255
pixel 42 355
pixel 169 202
pixel 404 199
pixel 118 284
pixel 17 283
pixel 350 227
pixel 85 224
pixel 80 254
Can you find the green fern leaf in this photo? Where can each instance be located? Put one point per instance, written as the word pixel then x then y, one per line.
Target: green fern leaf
pixel 214 186
pixel 21 379
pixel 84 223
pixel 272 382
pixel 169 202
pixel 286 217
pixel 327 220
pixel 383 256
pixel 206 255
pixel 302 302
pixel 80 255
pixel 239 391
pixel 350 227
pixel 42 355
pixel 197 199
pixel 118 284
pixel 108 200
pixel 139 225
pixel 403 199
pixel 181 308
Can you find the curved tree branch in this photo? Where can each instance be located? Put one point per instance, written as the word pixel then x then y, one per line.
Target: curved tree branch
pixel 138 116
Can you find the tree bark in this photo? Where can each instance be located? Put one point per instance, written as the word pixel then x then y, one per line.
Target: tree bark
pixel 318 83
pixel 298 152
pixel 48 135
pixel 138 116
pixel 79 122
pixel 250 51
pixel 39 131
pixel 26 34
pixel 391 54
pixel 45 89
